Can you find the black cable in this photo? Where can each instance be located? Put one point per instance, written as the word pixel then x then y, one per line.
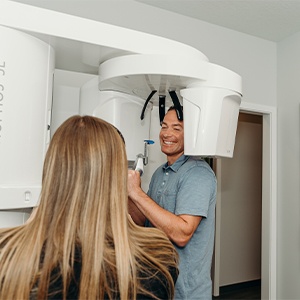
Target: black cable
pixel 146 103
pixel 177 105
pixel 162 105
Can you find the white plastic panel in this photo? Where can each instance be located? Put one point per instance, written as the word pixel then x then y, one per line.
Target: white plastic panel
pixel 13 218
pixel 141 74
pixel 210 121
pixel 26 74
pixel 121 110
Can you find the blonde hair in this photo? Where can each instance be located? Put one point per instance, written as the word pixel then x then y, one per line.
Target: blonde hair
pixel 83 205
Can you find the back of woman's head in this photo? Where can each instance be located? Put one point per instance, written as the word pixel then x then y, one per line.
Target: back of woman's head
pixel 85 167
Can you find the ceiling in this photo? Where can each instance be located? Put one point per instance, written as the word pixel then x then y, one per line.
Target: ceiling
pixel 273 20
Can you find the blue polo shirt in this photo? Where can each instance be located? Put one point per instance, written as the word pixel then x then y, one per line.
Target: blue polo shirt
pixel 188 186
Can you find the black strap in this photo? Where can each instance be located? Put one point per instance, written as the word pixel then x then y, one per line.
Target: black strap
pixel 177 105
pixel 162 105
pixel 146 103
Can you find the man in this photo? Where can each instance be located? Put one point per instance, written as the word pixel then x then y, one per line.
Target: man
pixel 181 202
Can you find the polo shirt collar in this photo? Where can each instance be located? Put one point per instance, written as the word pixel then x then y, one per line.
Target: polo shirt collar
pixel 177 164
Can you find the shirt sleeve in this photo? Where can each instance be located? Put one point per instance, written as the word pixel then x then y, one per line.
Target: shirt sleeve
pixel 196 190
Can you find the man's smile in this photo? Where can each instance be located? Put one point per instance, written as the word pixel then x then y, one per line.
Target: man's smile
pixel 168 142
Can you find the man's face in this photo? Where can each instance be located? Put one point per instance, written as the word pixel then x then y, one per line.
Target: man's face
pixel 171 136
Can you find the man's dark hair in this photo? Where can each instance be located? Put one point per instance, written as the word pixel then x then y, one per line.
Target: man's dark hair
pixel 173 108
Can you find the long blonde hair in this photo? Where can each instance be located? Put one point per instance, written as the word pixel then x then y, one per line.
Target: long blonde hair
pixel 83 205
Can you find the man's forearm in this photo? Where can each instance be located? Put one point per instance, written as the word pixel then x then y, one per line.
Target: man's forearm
pixel 136 215
pixel 160 218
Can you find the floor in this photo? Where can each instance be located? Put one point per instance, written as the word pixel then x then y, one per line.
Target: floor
pixel 241 291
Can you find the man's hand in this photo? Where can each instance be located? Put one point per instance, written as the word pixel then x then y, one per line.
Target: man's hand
pixel 134 183
pixel 134 186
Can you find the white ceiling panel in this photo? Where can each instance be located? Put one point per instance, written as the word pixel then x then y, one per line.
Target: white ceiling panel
pixel 269 19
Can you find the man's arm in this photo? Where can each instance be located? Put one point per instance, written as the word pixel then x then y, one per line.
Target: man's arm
pixel 179 228
pixel 136 215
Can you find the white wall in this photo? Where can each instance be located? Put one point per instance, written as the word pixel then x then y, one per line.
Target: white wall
pixel 288 168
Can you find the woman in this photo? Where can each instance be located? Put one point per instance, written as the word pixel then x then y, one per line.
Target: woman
pixel 81 242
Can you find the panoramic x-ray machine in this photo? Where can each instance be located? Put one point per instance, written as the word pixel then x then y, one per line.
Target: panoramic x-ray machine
pixel 117 74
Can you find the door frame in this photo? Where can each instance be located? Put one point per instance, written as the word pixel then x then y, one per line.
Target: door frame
pixel 269 204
